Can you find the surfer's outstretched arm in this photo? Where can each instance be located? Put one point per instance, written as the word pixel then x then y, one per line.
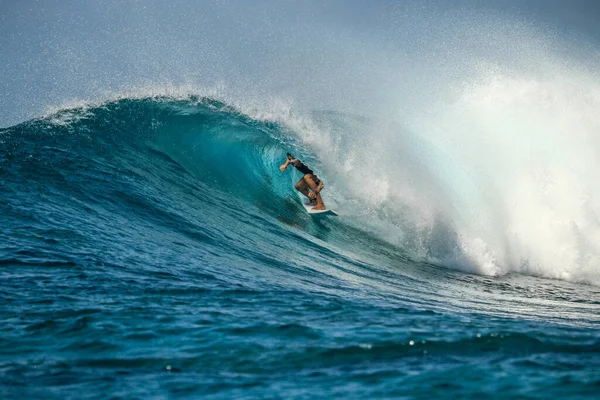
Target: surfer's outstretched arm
pixel 285 165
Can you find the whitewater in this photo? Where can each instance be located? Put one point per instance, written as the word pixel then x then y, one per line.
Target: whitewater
pixel 151 248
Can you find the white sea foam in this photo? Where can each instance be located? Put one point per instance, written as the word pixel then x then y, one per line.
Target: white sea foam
pixel 499 175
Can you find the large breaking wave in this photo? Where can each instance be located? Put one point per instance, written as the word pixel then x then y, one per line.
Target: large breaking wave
pixel 502 181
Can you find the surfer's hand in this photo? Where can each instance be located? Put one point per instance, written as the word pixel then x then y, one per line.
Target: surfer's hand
pixel 312 195
pixel 282 168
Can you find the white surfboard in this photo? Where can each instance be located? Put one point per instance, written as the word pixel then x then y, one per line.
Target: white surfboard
pixel 309 210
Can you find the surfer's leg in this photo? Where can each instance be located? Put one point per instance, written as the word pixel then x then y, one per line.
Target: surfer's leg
pixel 320 185
pixel 302 187
pixel 320 205
pixel 310 181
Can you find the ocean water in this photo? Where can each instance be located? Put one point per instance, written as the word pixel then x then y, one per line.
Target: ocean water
pixel 150 248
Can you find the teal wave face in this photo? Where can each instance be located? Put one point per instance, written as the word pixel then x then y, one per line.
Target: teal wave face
pixel 202 138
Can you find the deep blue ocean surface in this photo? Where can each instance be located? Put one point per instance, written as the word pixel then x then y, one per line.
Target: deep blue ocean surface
pixel 150 248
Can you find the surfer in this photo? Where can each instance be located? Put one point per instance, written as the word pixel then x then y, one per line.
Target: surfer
pixel 308 180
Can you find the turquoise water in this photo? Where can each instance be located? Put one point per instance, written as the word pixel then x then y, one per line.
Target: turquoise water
pixel 150 248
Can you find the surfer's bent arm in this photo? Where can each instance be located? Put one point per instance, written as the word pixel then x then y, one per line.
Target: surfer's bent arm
pixel 285 165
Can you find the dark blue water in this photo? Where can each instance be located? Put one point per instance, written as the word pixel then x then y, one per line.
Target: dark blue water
pixel 151 248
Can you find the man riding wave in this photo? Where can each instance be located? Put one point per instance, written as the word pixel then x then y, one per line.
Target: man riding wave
pixel 308 180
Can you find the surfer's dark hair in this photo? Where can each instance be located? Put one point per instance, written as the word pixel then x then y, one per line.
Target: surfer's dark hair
pixel 289 155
